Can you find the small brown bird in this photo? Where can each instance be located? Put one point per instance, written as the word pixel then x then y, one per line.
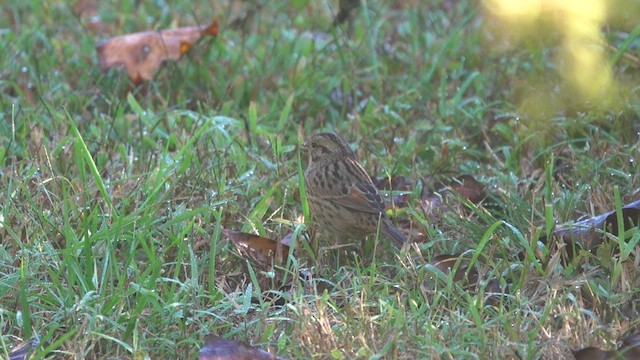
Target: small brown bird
pixel 341 195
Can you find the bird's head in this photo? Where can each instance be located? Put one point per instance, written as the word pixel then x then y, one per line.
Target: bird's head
pixel 328 144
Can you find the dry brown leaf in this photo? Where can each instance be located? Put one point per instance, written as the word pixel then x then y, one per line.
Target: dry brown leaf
pixel 433 204
pixel 346 10
pixel 401 183
pixel 469 278
pixel 265 254
pixel 630 350
pixel 217 348
pixel 395 183
pixel 469 188
pixel 260 251
pixel 87 10
pixel 142 53
pixel 446 263
pixel 21 351
pixel 312 286
pixel 590 353
pixel 588 234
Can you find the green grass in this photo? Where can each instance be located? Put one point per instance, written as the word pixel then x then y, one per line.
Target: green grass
pixel 113 197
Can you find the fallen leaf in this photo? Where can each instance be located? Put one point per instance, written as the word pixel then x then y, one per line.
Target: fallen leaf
pixel 261 251
pixel 446 263
pixel 630 347
pixel 630 350
pixel 311 284
pixel 433 206
pixel 395 183
pixel 142 53
pixel 590 353
pixel 588 233
pixel 87 10
pixel 400 183
pixel 242 14
pixel 469 278
pixel 21 351
pixel 469 188
pixel 346 8
pixel 265 254
pixel 217 348
pixel 341 99
pixel 494 292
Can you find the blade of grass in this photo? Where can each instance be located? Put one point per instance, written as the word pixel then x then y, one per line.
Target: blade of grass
pixel 92 165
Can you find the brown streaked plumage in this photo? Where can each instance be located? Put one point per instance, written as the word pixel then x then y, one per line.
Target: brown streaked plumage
pixel 341 195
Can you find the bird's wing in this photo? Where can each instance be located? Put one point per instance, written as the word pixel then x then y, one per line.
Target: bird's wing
pixel 355 191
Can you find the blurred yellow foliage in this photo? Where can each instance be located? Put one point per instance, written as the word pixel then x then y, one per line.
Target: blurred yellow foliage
pixel 581 62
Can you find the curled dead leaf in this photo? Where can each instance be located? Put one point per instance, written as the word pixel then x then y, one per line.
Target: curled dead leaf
pixel 346 10
pixel 630 350
pixel 446 263
pixel 433 206
pixel 21 351
pixel 494 292
pixel 342 99
pixel 469 277
pixel 261 251
pixel 87 10
pixel 394 183
pixel 590 353
pixel 142 53
pixel 311 284
pixel 589 233
pixel 469 188
pixel 217 348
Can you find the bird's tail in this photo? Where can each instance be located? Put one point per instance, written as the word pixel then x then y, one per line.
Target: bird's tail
pixel 393 234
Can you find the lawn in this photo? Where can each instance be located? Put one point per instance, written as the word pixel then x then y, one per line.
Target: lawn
pixel 119 201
